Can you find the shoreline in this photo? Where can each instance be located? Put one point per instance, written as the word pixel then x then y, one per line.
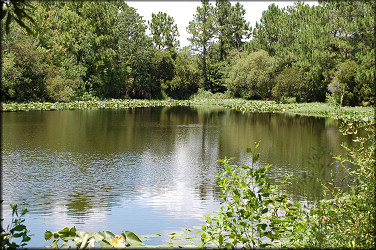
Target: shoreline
pixel 358 114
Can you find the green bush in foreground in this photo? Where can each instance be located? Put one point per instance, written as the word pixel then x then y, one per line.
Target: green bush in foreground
pixel 348 219
pixel 256 214
pixel 16 229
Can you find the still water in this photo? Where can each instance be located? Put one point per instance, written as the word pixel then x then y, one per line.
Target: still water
pixel 148 170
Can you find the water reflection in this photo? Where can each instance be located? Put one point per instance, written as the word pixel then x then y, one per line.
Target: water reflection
pixel 149 169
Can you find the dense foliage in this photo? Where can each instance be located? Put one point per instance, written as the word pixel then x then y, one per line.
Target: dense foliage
pixel 255 213
pixel 82 50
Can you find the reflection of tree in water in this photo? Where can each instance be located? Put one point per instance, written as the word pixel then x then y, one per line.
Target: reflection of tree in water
pixel 79 204
pixel 105 156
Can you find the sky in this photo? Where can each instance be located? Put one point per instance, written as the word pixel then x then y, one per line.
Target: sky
pixel 183 11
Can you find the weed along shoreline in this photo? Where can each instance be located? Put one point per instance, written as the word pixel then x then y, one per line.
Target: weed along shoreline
pixel 358 114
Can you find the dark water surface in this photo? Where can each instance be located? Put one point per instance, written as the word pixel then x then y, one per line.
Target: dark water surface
pixel 148 170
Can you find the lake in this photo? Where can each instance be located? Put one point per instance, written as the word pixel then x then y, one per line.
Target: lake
pixel 149 170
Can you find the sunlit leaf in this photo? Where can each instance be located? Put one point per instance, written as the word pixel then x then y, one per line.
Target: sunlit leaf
pixel 132 238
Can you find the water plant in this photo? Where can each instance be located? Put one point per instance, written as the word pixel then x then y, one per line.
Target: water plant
pixel 88 239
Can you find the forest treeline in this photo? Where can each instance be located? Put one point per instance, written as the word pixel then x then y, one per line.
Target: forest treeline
pixel 82 50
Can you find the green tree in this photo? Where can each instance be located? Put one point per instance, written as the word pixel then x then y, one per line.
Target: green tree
pixel 266 34
pixel 239 26
pixel 223 27
pixel 202 32
pixel 297 36
pixel 164 31
pixel 343 85
pixel 22 68
pixel 251 76
pixel 163 69
pixel 290 83
pixel 136 52
pixel 187 76
pixel 16 10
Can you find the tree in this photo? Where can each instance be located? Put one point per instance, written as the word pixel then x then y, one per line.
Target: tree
pixel 251 76
pixel 239 26
pixel 186 80
pixel 164 31
pixel 16 10
pixel 290 83
pixel 136 52
pixel 163 69
pixel 223 27
pixel 93 48
pixel 343 85
pixel 202 32
pixel 23 68
pixel 267 33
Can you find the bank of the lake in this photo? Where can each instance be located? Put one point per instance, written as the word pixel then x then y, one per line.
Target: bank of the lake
pixel 363 115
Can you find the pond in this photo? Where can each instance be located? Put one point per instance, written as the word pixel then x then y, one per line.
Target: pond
pixel 149 170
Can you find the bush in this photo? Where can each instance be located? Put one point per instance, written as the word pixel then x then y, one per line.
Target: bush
pixel 206 94
pixel 291 83
pixel 186 80
pixel 251 76
pixel 15 230
pixel 255 213
pixel 343 86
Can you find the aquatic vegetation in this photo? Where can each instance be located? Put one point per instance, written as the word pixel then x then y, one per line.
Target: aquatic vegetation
pixel 104 104
pixel 360 115
pixel 88 239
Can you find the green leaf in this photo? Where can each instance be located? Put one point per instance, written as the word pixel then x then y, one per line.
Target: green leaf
pixel 249 150
pixel 255 158
pixel 54 244
pixel 105 244
pixel 24 212
pixel 19 228
pixel 153 235
pixel 107 234
pixel 48 235
pixel 131 238
pixel 85 241
pixel 65 230
pixel 56 235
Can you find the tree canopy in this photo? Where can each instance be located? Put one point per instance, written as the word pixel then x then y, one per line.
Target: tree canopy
pixel 79 50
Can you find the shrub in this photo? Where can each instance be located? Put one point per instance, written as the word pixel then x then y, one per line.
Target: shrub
pixel 186 80
pixel 348 219
pixel 250 76
pixel 343 86
pixel 255 213
pixel 15 230
pixel 291 83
